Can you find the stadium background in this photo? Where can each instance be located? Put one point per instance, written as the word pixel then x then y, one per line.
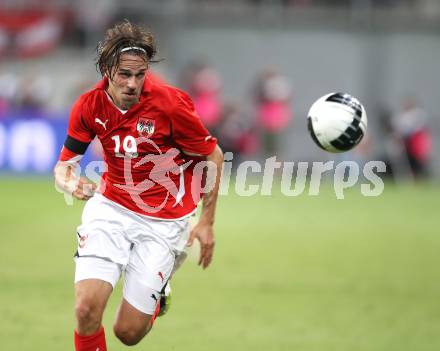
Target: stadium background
pixel 305 273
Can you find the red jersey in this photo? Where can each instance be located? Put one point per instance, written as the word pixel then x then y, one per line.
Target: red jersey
pixel 145 148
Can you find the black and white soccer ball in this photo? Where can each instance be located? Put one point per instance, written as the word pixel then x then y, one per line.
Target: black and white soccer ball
pixel 337 122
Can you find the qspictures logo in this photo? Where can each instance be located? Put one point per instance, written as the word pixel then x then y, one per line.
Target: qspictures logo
pixel 294 178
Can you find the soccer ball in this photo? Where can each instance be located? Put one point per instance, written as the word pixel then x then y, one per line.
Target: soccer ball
pixel 337 122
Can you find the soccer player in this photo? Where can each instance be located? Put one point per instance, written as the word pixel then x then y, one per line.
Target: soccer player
pixel 137 221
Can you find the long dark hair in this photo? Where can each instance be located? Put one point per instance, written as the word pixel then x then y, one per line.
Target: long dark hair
pixel 122 38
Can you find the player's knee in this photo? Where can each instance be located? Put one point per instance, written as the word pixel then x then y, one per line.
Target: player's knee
pixel 128 336
pixel 87 315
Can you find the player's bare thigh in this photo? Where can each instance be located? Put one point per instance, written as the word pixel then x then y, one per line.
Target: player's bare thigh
pixel 91 296
pixel 131 325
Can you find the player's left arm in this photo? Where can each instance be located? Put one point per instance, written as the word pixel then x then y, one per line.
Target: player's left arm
pixel 204 229
pixel 79 136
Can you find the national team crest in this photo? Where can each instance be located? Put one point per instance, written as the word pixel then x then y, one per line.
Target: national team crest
pixel 145 126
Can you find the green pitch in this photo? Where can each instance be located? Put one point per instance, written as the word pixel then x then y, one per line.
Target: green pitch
pixel 302 273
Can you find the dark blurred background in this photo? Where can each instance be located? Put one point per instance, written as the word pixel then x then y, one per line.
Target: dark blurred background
pixel 253 69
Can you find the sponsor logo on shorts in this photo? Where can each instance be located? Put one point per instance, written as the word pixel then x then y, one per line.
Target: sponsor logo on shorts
pixel 160 275
pixel 154 297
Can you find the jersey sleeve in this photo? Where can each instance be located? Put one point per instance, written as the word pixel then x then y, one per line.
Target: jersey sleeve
pixel 188 131
pixel 79 134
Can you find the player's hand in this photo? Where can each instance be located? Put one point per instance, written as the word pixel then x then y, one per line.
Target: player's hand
pixel 204 233
pixel 85 189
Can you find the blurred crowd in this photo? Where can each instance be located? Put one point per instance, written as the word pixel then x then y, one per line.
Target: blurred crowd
pixel 239 129
pixel 252 129
pixel 25 96
pixel 257 131
pixel 408 140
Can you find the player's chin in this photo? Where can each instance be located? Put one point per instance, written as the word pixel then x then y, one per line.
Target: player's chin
pixel 129 99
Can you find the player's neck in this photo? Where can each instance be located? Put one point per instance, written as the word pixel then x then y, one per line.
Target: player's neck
pixel 113 101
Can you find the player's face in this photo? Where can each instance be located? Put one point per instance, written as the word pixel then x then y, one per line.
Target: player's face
pixel 126 85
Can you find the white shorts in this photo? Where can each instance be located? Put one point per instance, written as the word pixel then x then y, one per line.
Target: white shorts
pixel 113 239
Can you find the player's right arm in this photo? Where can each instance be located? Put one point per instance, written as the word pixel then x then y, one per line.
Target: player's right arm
pixel 79 136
